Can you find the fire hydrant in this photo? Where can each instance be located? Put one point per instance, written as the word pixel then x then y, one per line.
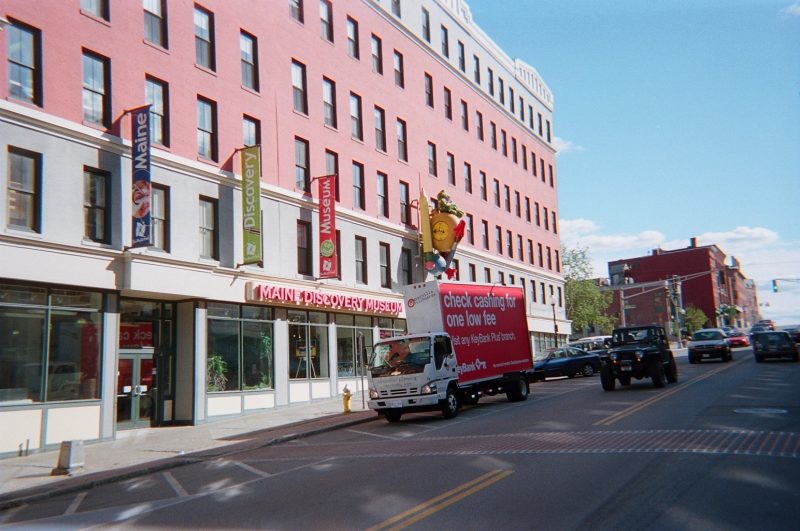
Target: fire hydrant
pixel 346 396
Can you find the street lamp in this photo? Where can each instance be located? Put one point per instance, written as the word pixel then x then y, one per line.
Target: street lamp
pixel 555 323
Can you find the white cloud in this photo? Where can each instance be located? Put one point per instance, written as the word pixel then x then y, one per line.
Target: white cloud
pixel 792 10
pixel 762 254
pixel 564 146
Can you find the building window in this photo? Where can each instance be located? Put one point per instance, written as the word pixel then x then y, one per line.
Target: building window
pixel 501 91
pixel 520 254
pixel 96 89
pixel 359 198
pixel 299 92
pixel 479 125
pixel 377 55
pixel 511 99
pixel 432 159
pixel 304 248
pixel 426 25
pixel 396 9
pixel 296 10
pixel 550 174
pixel 96 8
pixel 159 217
pixel 361 260
pixel 491 81
pixel 399 73
pixel 517 205
pixel 462 60
pixel 485 234
pixel 353 49
pixel 530 252
pixel 155 22
pixel 383 194
pixel 530 117
pixel 539 117
pixel 514 150
pixel 541 167
pixel 302 173
pixel 553 218
pixel 503 142
pixel 473 276
pixel 476 73
pixel 524 151
pixel 445 42
pixel 546 218
pixel 204 38
pixel 543 292
pixel 386 270
pixel 498 239
pixel 509 244
pixel 451 169
pixel 470 233
pixel 548 130
pixel 507 198
pixel 206 128
pixel 521 109
pixel 326 20
pixel 406 269
pixel 24 60
pixel 549 258
pixel 493 134
pixel 528 209
pixel 95 205
pixel 24 189
pixel 356 124
pixel 156 93
pixel 487 275
pixel 208 229
pixel 464 116
pixel 332 168
pixel 402 140
pixel 448 104
pixel 248 47
pixel 501 277
pixel 428 90
pixel 558 261
pixel 380 129
pixel 496 193
pixel 468 177
pixel 483 186
pixel 536 212
pixel 329 103
pixel 405 204
pixel 540 252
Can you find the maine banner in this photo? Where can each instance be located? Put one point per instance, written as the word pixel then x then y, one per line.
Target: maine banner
pixel 251 205
pixel 327 227
pixel 140 176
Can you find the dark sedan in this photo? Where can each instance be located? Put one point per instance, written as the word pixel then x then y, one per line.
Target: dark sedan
pixel 709 343
pixel 774 345
pixel 565 361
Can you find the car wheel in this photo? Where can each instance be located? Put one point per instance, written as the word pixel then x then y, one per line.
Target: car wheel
pixel 392 415
pixel 726 357
pixel 692 360
pixel 450 404
pixel 796 356
pixel 518 390
pixel 657 374
pixel 607 379
pixel 588 370
pixel 672 371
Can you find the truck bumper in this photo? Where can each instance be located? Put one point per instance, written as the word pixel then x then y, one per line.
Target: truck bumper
pixel 405 403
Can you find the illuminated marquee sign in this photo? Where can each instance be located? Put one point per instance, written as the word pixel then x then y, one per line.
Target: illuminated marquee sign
pixel 333 301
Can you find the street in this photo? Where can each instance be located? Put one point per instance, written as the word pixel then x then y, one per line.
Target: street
pixel 718 450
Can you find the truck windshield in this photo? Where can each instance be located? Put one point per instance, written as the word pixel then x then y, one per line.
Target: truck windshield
pixel 402 356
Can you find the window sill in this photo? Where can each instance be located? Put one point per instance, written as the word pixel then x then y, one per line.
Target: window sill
pixel 94 243
pixel 95 125
pixel 156 47
pixel 24 231
pixel 201 158
pixel 299 113
pixel 205 69
pixel 252 91
pixel 94 17
pixel 32 105
pixel 331 127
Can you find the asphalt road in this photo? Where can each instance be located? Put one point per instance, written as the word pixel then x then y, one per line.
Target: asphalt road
pixel 719 450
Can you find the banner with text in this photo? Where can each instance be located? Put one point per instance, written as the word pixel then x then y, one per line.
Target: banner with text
pixel 140 176
pixel 327 227
pixel 251 205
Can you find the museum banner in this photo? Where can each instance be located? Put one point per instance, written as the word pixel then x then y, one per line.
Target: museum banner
pixel 327 227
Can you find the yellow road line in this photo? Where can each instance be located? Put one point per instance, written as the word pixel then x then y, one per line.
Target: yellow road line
pixel 423 510
pixel 652 400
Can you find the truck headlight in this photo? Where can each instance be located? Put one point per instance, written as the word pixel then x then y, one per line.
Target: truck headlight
pixel 428 389
pixel 613 356
pixel 373 393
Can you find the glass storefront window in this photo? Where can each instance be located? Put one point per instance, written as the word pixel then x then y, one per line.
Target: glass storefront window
pixel 240 348
pixel 308 344
pixel 50 342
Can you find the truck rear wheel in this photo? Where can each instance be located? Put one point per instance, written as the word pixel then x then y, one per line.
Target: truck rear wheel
pixel 657 374
pixel 607 379
pixel 450 404
pixel 392 415
pixel 518 389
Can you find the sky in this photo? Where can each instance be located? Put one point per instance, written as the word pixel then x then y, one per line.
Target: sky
pixel 673 119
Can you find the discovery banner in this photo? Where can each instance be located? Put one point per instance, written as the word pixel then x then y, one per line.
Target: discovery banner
pixel 251 205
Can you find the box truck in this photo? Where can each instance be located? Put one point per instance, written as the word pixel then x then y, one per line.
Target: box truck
pixel 463 341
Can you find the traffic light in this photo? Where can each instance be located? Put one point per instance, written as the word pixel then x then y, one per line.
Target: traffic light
pixel 774 286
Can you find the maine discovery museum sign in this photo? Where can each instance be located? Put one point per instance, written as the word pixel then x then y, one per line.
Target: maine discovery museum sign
pixel 255 292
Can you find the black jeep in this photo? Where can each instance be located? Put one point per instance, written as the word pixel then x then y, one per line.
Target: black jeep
pixel 638 352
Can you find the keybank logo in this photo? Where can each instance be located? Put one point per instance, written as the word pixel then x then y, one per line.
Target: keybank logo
pixel 422 298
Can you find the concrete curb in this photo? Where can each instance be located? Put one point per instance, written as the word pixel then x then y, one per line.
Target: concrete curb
pixel 96 479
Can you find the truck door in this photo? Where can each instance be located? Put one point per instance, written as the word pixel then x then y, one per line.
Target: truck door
pixel 442 350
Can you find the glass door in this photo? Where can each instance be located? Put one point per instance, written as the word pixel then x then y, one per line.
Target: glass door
pixel 136 391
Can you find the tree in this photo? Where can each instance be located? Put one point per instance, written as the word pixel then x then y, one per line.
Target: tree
pixel 586 304
pixel 695 319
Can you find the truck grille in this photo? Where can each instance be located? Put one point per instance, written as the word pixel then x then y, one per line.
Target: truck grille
pixel 387 393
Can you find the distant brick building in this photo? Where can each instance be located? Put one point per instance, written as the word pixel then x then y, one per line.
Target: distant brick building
pixel 657 286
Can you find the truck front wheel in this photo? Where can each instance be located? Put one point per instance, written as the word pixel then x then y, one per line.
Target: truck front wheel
pixel 392 415
pixel 657 373
pixel 672 371
pixel 450 404
pixel 607 379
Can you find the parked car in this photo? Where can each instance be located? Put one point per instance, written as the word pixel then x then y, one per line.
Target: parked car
pixel 565 361
pixel 793 331
pixel 775 345
pixel 767 323
pixel 596 344
pixel 709 343
pixel 737 338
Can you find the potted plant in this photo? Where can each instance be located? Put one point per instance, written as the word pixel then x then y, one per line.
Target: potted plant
pixel 216 367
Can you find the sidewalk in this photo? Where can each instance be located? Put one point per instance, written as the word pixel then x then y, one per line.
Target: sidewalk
pixel 140 452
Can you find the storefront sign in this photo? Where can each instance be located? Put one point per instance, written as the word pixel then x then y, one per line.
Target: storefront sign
pixel 251 205
pixel 135 335
pixel 335 301
pixel 140 176
pixel 327 227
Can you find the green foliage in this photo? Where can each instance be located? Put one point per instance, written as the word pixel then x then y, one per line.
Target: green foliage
pixel 586 304
pixel 695 319
pixel 216 367
pixel 446 205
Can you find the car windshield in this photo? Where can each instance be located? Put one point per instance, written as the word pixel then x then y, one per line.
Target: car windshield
pixel 632 335
pixel 403 356
pixel 707 335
